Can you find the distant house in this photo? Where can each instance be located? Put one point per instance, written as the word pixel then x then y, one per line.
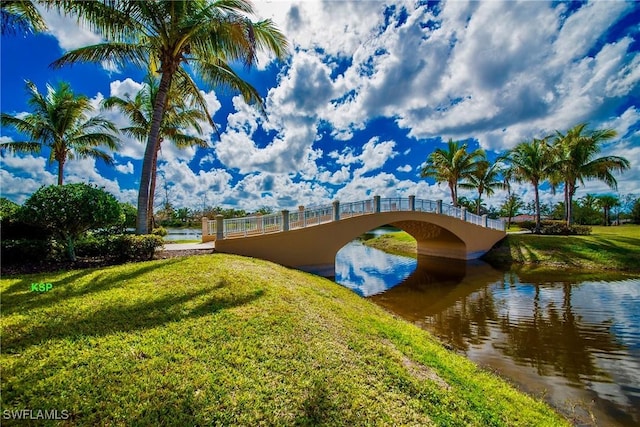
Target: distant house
pixel 520 218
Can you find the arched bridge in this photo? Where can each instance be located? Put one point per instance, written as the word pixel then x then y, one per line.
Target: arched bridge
pixel 309 238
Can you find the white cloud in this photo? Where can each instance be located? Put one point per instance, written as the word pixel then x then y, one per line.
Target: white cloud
pixel 405 168
pixel 66 30
pixel 125 169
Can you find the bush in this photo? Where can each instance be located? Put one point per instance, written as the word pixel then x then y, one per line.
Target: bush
pixel 558 228
pixel 68 211
pixel 122 247
pixel 160 231
pixel 19 251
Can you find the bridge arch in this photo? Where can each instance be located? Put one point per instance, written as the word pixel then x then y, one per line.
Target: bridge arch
pixel 314 248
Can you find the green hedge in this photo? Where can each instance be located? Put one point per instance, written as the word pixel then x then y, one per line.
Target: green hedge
pixel 557 228
pixel 123 247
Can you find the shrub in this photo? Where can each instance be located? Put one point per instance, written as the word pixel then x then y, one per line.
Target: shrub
pixel 527 225
pixel 122 247
pixel 19 251
pixel 126 247
pixel 557 228
pixel 68 211
pixel 160 231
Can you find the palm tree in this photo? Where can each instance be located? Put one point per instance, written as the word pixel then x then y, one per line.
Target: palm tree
pixel 485 179
pixel 178 116
pixel 61 121
pixel 511 207
pixel 532 162
pixel 206 35
pixel 452 166
pixel 20 16
pixel 606 202
pixel 577 152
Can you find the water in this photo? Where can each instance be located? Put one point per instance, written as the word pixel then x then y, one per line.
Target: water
pixel 574 343
pixel 183 234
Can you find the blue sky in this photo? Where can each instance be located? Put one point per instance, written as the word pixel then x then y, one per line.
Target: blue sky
pixel 368 91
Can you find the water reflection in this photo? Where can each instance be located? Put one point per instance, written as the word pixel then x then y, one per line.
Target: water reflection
pixel 576 344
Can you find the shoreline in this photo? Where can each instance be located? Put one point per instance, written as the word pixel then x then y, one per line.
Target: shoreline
pixel 606 249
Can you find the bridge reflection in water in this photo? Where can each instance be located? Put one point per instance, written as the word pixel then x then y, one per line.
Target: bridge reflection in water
pixel 577 344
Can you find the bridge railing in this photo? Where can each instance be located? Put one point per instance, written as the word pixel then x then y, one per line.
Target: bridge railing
pixel 285 220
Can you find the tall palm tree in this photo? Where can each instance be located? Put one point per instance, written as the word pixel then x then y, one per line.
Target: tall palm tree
pixel 20 16
pixel 577 152
pixel 452 165
pixel 182 112
pixel 486 178
pixel 606 202
pixel 61 121
pixel 208 35
pixel 532 162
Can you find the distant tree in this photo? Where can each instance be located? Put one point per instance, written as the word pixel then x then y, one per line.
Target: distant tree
pixel 511 207
pixel 635 212
pixel 20 16
pixel 576 160
pixel 60 120
pixel 8 209
pixel 182 214
pixel 485 180
pixel 465 202
pixel 452 165
pixel 70 210
pixel 265 210
pixel 531 162
pixel 606 202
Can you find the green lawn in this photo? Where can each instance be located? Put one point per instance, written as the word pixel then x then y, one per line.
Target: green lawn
pixel 607 248
pixel 399 243
pixel 225 340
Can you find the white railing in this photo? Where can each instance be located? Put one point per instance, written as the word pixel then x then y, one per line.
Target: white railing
pixel 285 220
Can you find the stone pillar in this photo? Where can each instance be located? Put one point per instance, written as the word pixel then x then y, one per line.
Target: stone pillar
pixel 412 203
pixel 260 223
pixel 439 206
pixel 463 213
pixel 219 227
pixel 485 220
pixel 376 204
pixel 336 210
pixel 285 220
pixel 301 216
pixel 205 227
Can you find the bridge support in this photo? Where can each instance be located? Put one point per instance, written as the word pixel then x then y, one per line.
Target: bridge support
pixel 438 206
pixel 285 220
pixel 336 210
pixel 376 204
pixel 412 203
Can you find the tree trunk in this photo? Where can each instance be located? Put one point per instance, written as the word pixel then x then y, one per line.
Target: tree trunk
pixel 60 171
pixel 535 186
pixel 142 225
pixel 566 202
pixel 479 202
pixel 152 190
pixel 454 197
pixel 570 192
pixel 71 251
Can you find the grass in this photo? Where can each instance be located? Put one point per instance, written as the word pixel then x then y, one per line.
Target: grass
pixel 399 243
pixel 607 248
pixel 225 340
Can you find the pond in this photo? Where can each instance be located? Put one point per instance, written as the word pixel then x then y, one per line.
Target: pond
pixel 183 234
pixel 575 343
